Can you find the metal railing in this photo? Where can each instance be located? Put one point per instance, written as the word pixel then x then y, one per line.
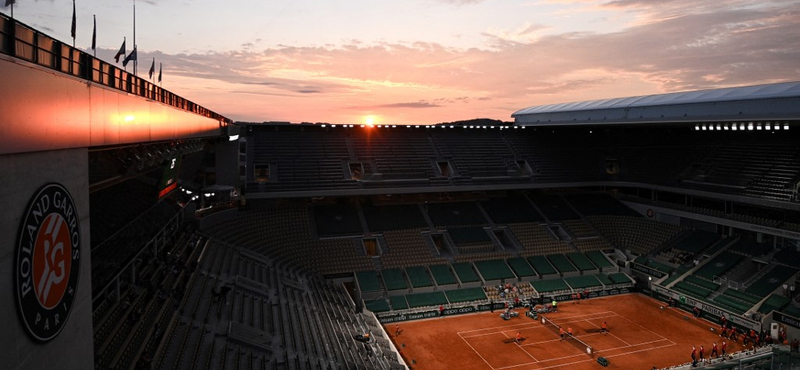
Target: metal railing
pixel 23 42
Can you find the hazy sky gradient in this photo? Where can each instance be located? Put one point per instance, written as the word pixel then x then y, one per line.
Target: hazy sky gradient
pixel 428 61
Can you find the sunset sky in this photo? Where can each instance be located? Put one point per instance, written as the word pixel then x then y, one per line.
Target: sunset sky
pixel 429 61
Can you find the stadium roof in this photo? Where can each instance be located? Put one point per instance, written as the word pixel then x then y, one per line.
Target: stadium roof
pixel 779 101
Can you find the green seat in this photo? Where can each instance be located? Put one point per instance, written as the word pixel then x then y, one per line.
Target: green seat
pixel 418 275
pixel 599 259
pixel 398 302
pixel 368 281
pixel 494 270
pixel 582 282
pixel 465 272
pixel 394 280
pixel 547 286
pixel 465 295
pixel 581 261
pixel 442 274
pixel 378 305
pixel 561 263
pixel 521 267
pixel 541 265
pixel 425 299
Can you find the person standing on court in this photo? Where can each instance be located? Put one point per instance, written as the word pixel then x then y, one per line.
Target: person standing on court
pixel 441 310
pixel 694 356
pixel 724 349
pixel 702 353
pixel 714 351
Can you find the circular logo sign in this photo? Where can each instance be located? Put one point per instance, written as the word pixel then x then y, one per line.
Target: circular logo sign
pixel 47 263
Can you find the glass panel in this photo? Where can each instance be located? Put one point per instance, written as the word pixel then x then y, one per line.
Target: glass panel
pixel 65 64
pixel 76 59
pixel 96 70
pixel 24 34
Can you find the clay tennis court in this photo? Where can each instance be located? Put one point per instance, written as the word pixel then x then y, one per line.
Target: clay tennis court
pixel 641 335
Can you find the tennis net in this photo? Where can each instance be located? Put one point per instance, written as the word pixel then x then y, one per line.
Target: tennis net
pixel 555 328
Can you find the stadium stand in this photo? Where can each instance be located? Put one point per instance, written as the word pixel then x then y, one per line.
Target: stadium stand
pixel 521 268
pixel 407 247
pixel 494 270
pixel 536 240
pixel 419 277
pixel 639 235
pixel 455 214
pixel 511 209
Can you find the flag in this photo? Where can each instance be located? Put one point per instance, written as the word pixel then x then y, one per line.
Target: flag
pixel 152 69
pixel 94 34
pixel 130 57
pixel 159 72
pixel 121 52
pixel 73 20
pixel 10 2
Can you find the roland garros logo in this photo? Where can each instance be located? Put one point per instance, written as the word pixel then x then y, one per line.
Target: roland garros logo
pixel 47 262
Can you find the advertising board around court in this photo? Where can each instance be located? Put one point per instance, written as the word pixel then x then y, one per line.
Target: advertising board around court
pixel 786 319
pixel 647 270
pixel 385 319
pixel 713 311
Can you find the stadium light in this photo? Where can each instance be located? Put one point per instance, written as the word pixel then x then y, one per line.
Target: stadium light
pixel 786 125
pixel 719 127
pixel 741 126
pixel 734 127
pixel 777 127
pixel 697 127
pixel 188 192
pixel 758 127
pixel 726 127
pixel 451 126
pixel 705 128
pixel 769 126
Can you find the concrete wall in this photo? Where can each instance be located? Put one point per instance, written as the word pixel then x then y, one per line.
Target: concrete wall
pixel 228 163
pixel 23 175
pixel 47 110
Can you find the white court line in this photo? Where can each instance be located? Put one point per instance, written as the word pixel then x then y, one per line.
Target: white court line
pixel 533 324
pixel 479 355
pixel 581 361
pixel 509 327
pixel 537 321
pixel 560 321
pixel 558 339
pixel 635 323
pixel 629 346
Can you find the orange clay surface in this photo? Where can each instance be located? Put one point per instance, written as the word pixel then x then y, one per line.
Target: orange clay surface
pixel 641 335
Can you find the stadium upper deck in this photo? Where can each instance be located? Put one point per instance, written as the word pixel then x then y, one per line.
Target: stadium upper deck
pixel 768 103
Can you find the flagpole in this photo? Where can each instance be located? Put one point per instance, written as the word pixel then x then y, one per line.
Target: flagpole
pixel 73 24
pixel 124 54
pixel 135 61
pixel 94 35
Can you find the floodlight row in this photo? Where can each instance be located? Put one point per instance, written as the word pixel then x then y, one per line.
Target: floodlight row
pixel 742 126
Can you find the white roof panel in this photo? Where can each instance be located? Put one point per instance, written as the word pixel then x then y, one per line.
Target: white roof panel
pixel 757 92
